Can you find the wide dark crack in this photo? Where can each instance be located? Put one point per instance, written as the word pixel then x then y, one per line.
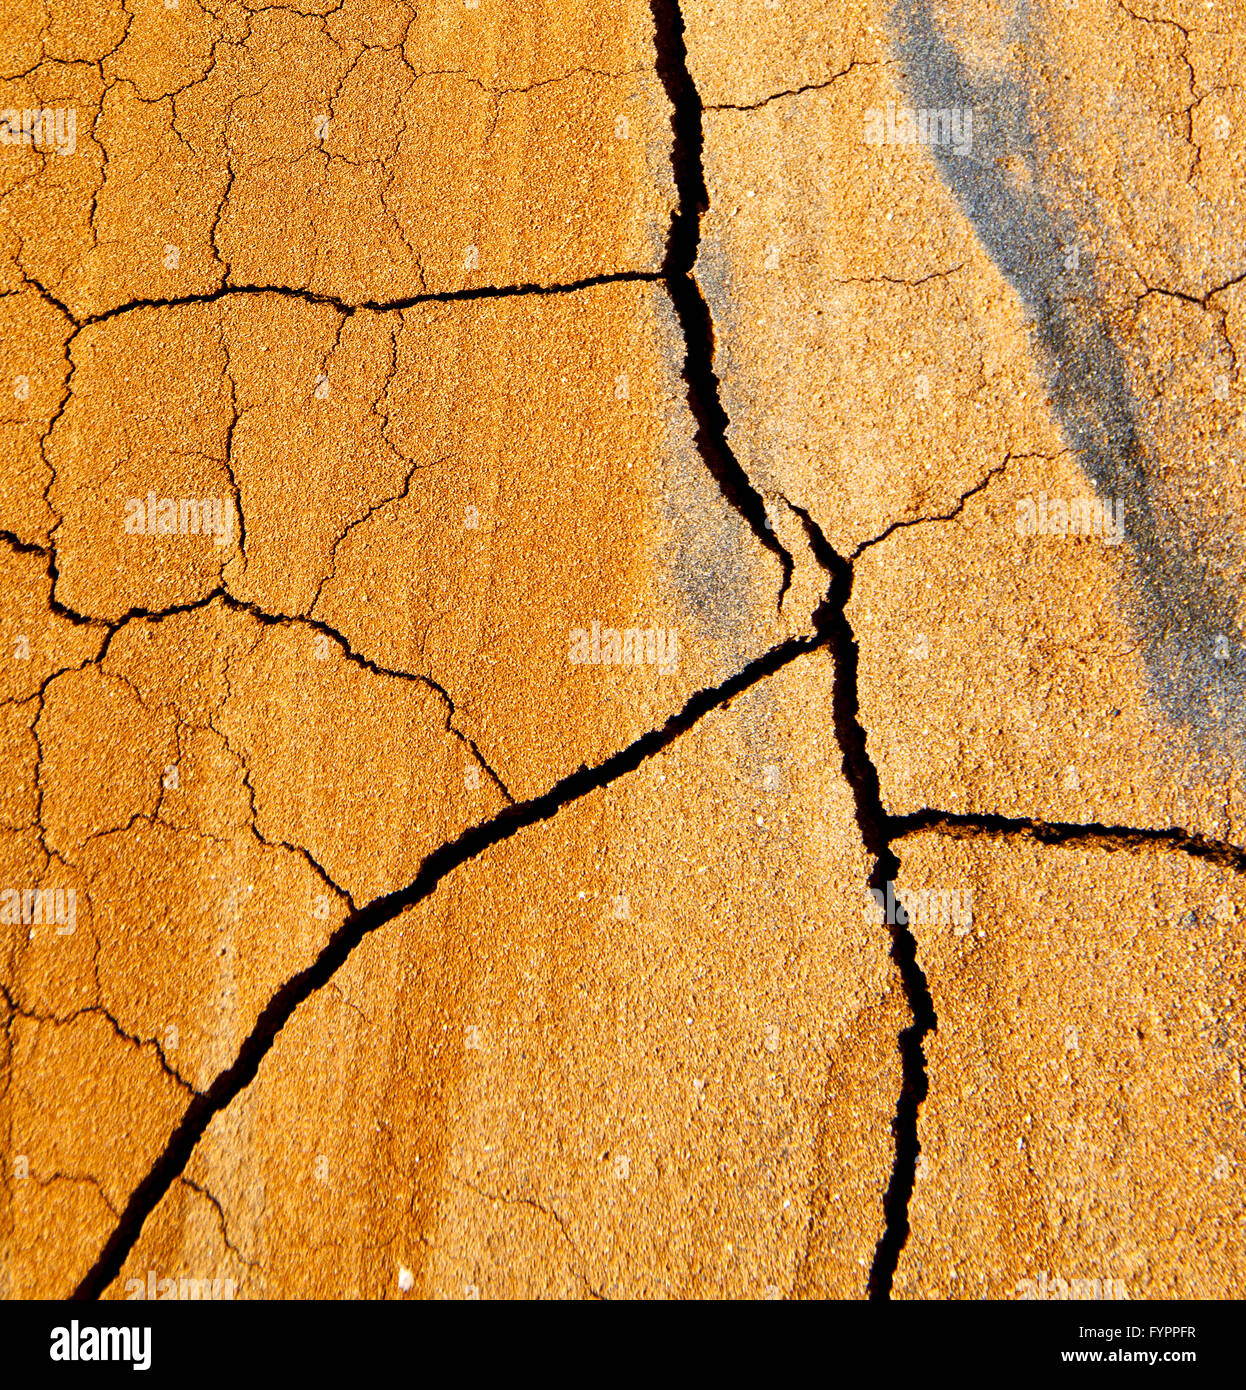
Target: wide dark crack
pixel 230 1083
pixel 691 307
pixel 879 829
pixel 830 620
pixel 1094 834
pixel 344 306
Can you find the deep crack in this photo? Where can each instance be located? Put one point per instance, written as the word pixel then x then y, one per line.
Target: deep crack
pixel 691 307
pixel 877 831
pixel 1222 853
pixel 877 827
pixel 830 620
pixel 348 307
pixel 230 1083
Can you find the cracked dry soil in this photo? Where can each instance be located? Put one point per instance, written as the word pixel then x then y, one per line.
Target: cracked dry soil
pixel 529 533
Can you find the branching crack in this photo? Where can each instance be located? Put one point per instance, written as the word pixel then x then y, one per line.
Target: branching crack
pixel 830 620
pixel 876 833
pixel 169 1166
pixel 879 829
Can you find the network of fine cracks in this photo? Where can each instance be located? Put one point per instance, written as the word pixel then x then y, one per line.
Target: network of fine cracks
pixel 880 831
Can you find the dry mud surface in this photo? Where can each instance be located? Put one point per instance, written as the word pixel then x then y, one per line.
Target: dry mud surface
pixel 624 631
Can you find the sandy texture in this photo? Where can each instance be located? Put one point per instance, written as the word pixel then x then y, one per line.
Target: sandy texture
pixel 1085 1112
pixel 355 151
pixel 528 533
pixel 607 1072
